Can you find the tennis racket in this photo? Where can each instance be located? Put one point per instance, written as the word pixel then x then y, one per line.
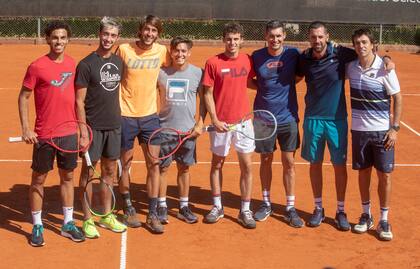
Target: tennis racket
pixel 98 195
pixel 64 137
pixel 169 139
pixel 263 122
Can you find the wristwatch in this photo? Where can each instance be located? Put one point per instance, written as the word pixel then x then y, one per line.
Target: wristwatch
pixel 395 127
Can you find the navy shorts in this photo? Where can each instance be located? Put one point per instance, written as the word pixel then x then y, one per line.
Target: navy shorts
pixel 43 156
pixel 186 154
pixel 140 127
pixel 368 150
pixel 287 136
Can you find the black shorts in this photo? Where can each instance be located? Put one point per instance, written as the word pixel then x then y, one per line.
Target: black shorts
pixel 43 156
pixel 368 150
pixel 140 127
pixel 287 136
pixel 105 143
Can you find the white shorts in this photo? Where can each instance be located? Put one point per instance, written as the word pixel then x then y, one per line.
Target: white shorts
pixel 220 142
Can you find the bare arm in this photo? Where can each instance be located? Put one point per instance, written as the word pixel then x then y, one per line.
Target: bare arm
pixel 298 79
pixel 252 84
pixel 81 115
pixel 211 109
pixel 198 128
pixel 29 136
pixel 391 136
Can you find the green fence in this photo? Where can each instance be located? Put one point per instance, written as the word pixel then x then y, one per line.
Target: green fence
pixel 19 27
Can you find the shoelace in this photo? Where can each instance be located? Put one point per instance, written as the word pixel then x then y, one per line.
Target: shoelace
pixel 38 231
pixel 247 214
pixel 214 211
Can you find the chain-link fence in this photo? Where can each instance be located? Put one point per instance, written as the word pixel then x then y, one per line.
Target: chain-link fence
pixel 19 27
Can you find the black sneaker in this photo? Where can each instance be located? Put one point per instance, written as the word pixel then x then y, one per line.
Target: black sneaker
pixel 365 223
pixel 70 230
pixel 187 215
pixel 342 222
pixel 162 213
pixel 37 238
pixel 317 217
pixel 293 218
pixel 263 212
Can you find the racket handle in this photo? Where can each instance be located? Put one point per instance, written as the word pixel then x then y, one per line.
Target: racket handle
pixel 15 139
pixel 87 158
pixel 209 128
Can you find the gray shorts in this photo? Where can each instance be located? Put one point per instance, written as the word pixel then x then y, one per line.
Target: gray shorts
pixel 287 136
pixel 186 154
pixel 105 143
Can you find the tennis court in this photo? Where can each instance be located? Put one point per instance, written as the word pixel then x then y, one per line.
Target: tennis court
pixel 226 244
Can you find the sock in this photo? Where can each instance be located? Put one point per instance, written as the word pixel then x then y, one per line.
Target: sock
pixel 183 201
pixel 162 202
pixel 290 203
pixel 153 201
pixel 340 206
pixel 36 217
pixel 217 201
pixel 127 199
pixel 366 207
pixel 384 213
pixel 245 205
pixel 318 202
pixel 266 197
pixel 68 214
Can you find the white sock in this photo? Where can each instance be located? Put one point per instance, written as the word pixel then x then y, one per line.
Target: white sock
pixel 245 205
pixel 318 202
pixel 384 213
pixel 366 207
pixel 217 201
pixel 36 217
pixel 183 201
pixel 290 203
pixel 340 206
pixel 266 197
pixel 162 202
pixel 68 214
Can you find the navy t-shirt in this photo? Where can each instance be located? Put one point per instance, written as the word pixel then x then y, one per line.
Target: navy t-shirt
pixel 276 83
pixel 325 96
pixel 101 76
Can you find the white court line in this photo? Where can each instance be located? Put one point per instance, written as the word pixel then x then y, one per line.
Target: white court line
pixel 123 251
pixel 409 128
pixel 230 163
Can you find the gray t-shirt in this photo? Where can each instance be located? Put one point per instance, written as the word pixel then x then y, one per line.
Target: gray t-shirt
pixel 178 99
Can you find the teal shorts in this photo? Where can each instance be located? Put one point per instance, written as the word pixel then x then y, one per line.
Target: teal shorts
pixel 317 133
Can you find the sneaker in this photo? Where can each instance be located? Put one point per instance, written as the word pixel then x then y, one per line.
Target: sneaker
pixel 70 230
pixel 384 230
pixel 37 238
pixel 110 222
pixel 89 229
pixel 263 212
pixel 245 219
pixel 214 215
pixel 365 223
pixel 187 215
pixel 153 223
pixel 317 217
pixel 342 222
pixel 130 217
pixel 162 213
pixel 293 218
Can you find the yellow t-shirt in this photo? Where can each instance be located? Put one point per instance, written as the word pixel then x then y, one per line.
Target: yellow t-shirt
pixel 138 85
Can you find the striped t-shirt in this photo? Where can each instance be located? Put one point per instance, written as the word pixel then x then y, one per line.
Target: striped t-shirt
pixel 371 91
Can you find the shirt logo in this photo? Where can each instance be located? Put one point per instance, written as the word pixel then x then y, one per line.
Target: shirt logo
pixel 151 63
pixel 110 76
pixel 234 73
pixel 63 77
pixel 273 64
pixel 176 91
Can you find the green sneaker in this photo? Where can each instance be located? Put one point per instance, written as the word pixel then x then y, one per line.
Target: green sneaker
pixel 89 229
pixel 70 230
pixel 110 222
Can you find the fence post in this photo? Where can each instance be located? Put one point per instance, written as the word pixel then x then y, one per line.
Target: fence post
pixel 380 34
pixel 38 34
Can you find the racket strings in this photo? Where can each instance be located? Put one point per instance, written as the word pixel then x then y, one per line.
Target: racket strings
pixel 265 125
pixel 168 139
pixel 99 197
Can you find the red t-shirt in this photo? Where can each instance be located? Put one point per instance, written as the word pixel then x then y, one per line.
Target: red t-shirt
pixel 228 77
pixel 53 87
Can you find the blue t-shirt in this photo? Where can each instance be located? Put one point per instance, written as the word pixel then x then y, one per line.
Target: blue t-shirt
pixel 325 97
pixel 276 83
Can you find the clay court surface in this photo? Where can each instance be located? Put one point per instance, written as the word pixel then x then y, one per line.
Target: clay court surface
pixel 226 244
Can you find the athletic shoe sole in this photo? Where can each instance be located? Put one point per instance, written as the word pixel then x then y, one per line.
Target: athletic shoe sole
pixel 214 221
pixel 248 226
pixel 181 217
pixel 309 224
pixel 66 234
pixel 363 231
pixel 111 229
pixel 36 245
pixel 340 228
